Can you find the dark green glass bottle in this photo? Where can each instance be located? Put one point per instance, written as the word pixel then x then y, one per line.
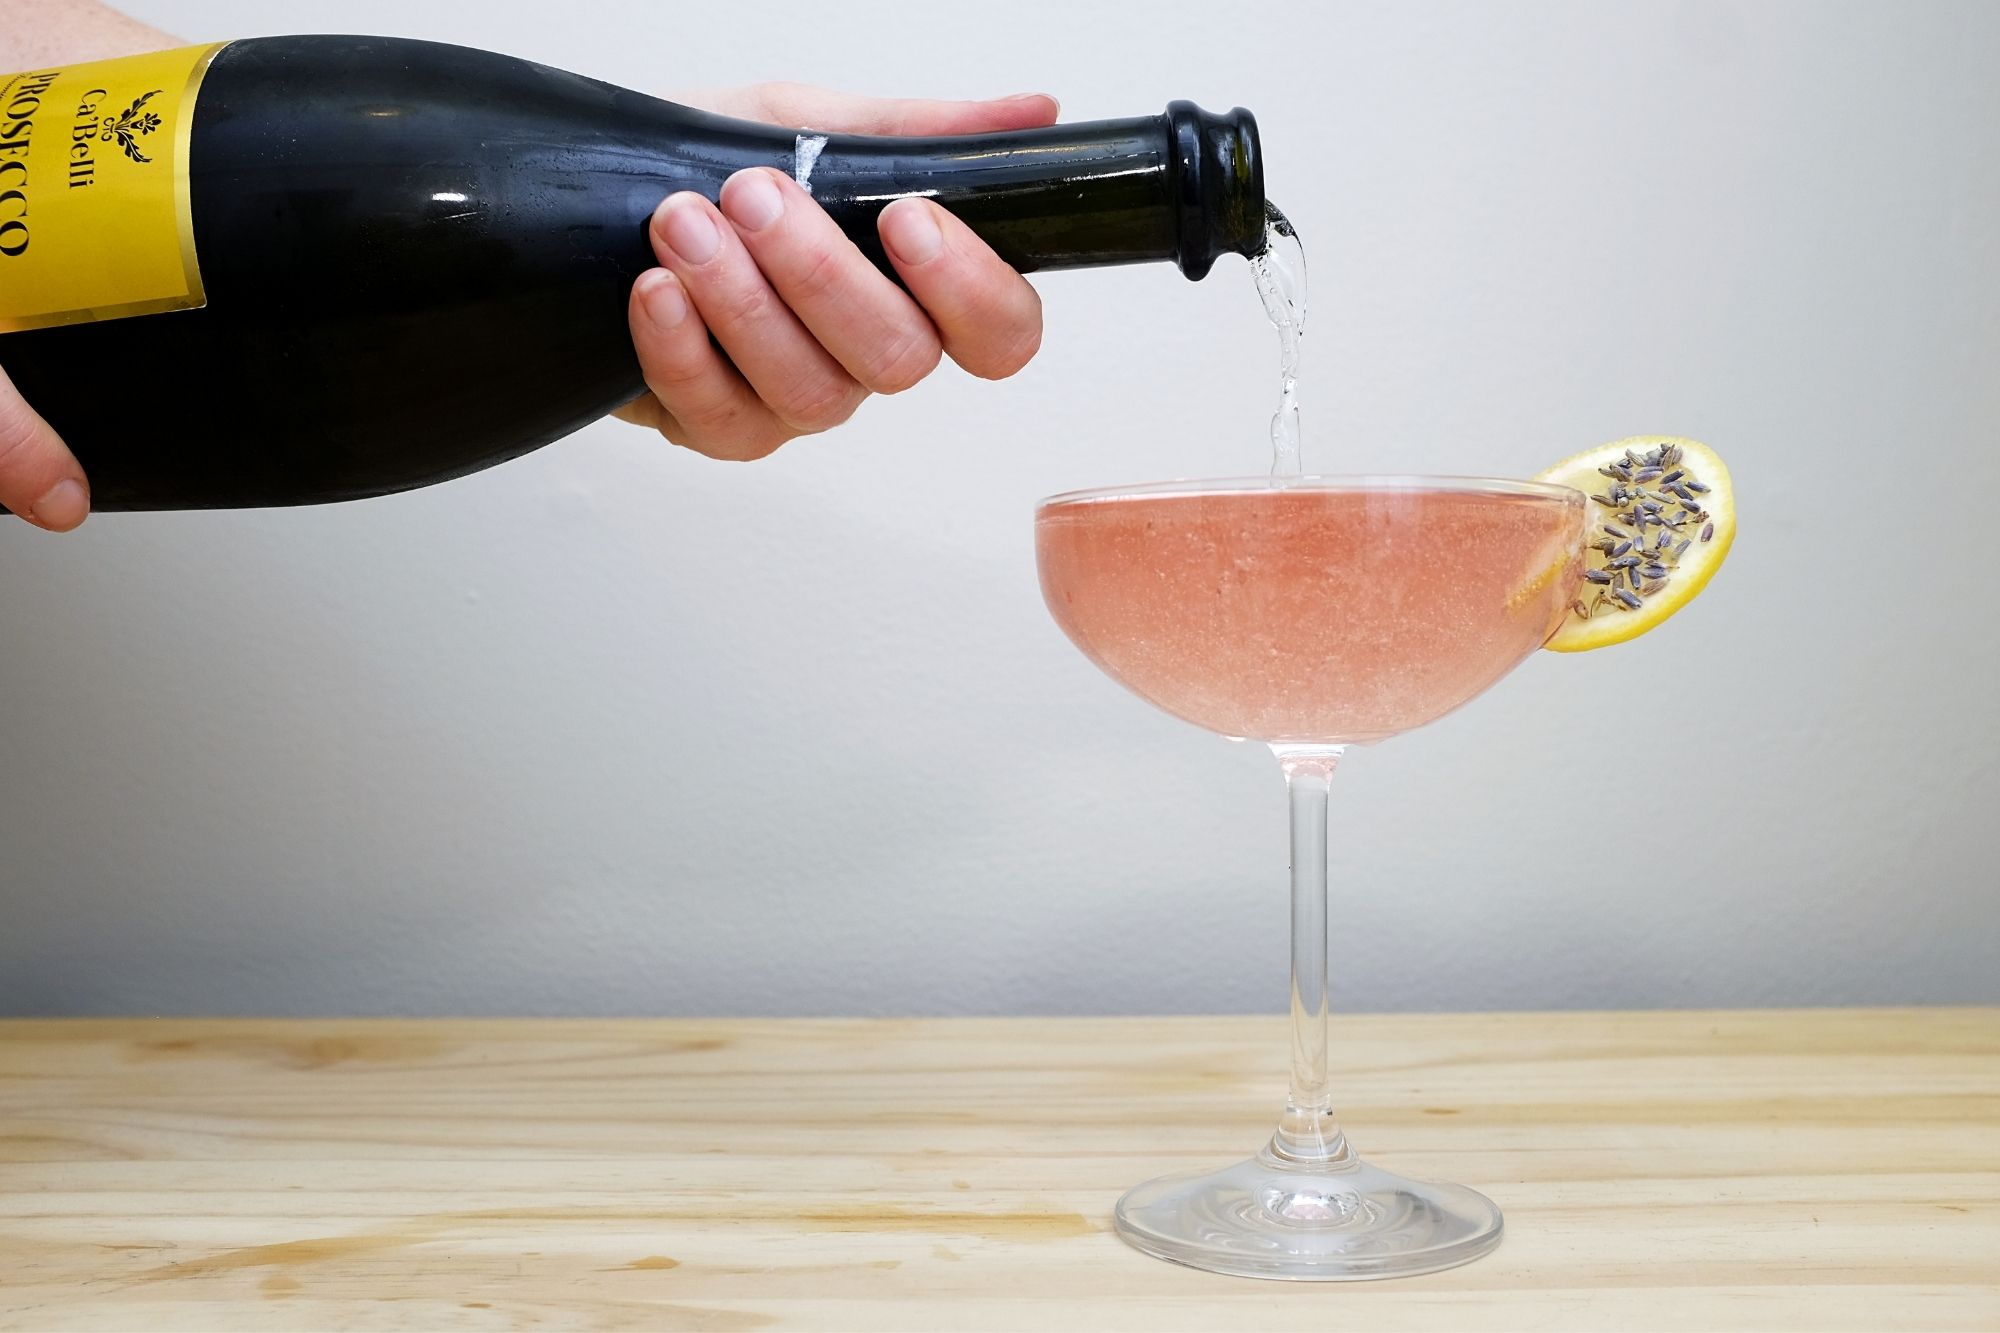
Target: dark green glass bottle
pixel 416 259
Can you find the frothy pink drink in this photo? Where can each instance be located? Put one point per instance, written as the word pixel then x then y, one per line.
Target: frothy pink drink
pixel 1323 611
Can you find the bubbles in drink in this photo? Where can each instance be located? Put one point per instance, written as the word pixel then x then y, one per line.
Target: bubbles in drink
pixel 1281 281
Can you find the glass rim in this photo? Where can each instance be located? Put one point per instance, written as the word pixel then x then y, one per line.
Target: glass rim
pixel 1358 481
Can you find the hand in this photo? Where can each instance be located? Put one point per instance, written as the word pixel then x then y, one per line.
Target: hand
pixel 39 478
pixel 810 327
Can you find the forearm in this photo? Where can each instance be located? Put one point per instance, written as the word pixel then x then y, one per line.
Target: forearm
pixel 35 33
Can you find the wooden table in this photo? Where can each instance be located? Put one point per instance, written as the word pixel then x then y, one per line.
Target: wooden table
pixel 1814 1170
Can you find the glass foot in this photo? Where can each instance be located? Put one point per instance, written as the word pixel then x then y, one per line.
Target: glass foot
pixel 1262 1219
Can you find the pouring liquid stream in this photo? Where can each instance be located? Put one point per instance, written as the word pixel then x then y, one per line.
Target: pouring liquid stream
pixel 1280 272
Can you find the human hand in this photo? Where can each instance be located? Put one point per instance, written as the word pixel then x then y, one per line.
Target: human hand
pixel 39 477
pixel 809 326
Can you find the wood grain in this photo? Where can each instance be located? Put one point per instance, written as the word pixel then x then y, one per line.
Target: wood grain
pixel 1809 1170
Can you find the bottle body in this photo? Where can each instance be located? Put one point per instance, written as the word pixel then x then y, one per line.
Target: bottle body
pixel 415 259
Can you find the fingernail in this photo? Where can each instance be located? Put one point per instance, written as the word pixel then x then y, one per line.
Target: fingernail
pixel 910 232
pixel 663 299
pixel 753 200
pixel 690 231
pixel 66 505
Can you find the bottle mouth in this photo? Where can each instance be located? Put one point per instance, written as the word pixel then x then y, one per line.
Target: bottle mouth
pixel 1219 185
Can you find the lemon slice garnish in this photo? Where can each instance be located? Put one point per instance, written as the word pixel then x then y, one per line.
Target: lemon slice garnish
pixel 1662 517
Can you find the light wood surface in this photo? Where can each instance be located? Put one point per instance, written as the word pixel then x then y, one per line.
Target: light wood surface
pixel 1811 1170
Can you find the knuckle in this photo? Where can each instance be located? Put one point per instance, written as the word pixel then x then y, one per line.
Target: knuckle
pixel 674 379
pixel 717 411
pixel 744 304
pixel 696 393
pixel 18 436
pixel 903 362
pixel 820 406
pixel 1010 354
pixel 994 323
pixel 12 444
pixel 718 431
pixel 820 274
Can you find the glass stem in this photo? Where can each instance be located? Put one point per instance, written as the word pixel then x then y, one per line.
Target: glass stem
pixel 1309 1137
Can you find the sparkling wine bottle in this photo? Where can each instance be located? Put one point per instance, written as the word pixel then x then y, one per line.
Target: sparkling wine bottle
pixel 304 269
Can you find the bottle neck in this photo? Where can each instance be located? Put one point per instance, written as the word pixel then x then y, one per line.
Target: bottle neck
pixel 1184 187
pixel 1061 197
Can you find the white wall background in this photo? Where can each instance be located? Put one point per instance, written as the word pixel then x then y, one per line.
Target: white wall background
pixel 616 730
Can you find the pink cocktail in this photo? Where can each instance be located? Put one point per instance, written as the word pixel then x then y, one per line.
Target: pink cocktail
pixel 1312 614
pixel 1337 611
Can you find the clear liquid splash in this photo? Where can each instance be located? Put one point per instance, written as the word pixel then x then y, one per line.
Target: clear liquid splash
pixel 1281 281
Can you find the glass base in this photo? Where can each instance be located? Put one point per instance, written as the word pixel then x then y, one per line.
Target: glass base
pixel 1263 1219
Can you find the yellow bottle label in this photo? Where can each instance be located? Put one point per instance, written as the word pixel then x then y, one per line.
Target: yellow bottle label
pixel 94 212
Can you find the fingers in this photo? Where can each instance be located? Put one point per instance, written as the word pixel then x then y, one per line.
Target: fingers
pixel 807 326
pixel 876 332
pixel 698 398
pixel 988 316
pixel 804 107
pixel 800 381
pixel 39 478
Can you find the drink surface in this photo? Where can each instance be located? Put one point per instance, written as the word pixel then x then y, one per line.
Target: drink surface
pixel 1316 612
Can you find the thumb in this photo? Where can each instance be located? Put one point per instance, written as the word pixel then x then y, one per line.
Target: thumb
pixel 39 478
pixel 812 108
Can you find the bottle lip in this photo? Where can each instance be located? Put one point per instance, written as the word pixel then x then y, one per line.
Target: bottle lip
pixel 1219 185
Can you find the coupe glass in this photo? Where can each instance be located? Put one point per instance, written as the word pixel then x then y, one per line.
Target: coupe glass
pixel 1310 613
